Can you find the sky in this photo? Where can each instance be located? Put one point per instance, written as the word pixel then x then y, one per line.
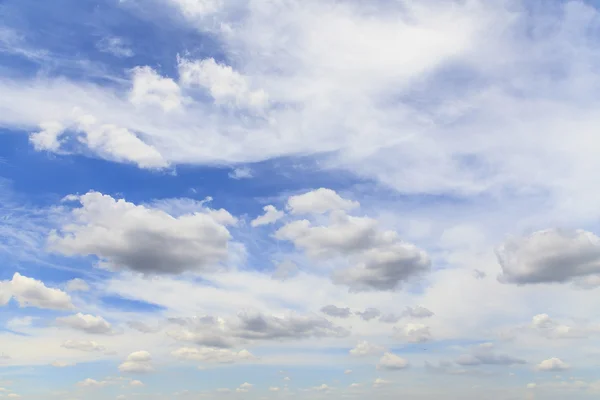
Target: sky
pixel 299 199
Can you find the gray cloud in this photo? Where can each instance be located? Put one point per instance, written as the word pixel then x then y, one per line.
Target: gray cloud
pixel 144 239
pixel 338 312
pixel 484 354
pixel 549 256
pixel 369 314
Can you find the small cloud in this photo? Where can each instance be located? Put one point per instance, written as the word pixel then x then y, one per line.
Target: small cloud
pixel 115 46
pixel 241 173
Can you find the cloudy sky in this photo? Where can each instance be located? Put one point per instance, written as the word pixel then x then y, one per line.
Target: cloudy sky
pixel 299 199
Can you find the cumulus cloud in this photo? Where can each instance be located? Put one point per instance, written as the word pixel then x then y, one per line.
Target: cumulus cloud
pixel 86 323
pixel 552 364
pixel 270 216
pixel 144 239
pixel 548 256
pixel 368 314
pixel 107 141
pixel 212 355
pixel 381 260
pixel 484 354
pixel 83 345
pixel 415 333
pixel 29 292
pixel 137 362
pixel 77 285
pixel 252 325
pixel 391 361
pixel 149 88
pixel 335 311
pixel 319 201
pixel 555 330
pixel 226 86
pixel 92 383
pixel 365 348
pixel 241 173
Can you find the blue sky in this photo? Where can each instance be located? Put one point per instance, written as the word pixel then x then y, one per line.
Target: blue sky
pixel 269 199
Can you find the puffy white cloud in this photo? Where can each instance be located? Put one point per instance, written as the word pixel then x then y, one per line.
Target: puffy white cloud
pixel 144 239
pixel 92 383
pixel 365 348
pixel 137 362
pixel 241 173
pixel 335 311
pixel 225 85
pixel 551 255
pixel 381 260
pixel 107 141
pixel 552 364
pixel 212 355
pixel 369 314
pixel 319 201
pixel 29 292
pixel 270 216
pixel 149 88
pixel 86 323
pixel 390 361
pixel 416 333
pixel 83 345
pixel 136 383
pixel 484 355
pixel 77 285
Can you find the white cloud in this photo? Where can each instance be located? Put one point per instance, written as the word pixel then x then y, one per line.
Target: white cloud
pixel 20 322
pixel 86 323
pixel 417 333
pixel 552 364
pixel 212 355
pixel 83 345
pixel 115 46
pixel 392 362
pixel 136 383
pixel 549 256
pixel 137 362
pixel 378 382
pixel 285 270
pixel 366 349
pixel 92 383
pixel 144 239
pixel 319 201
pixel 77 285
pixel 225 85
pixel 241 173
pixel 198 8
pixel 270 216
pixel 47 138
pixel 149 88
pixel 29 292
pixel 382 260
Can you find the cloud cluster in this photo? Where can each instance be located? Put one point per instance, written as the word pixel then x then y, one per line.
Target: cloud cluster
pixel 381 260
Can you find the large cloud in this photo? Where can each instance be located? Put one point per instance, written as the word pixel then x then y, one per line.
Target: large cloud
pixel 549 256
pixel 144 239
pixel 29 292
